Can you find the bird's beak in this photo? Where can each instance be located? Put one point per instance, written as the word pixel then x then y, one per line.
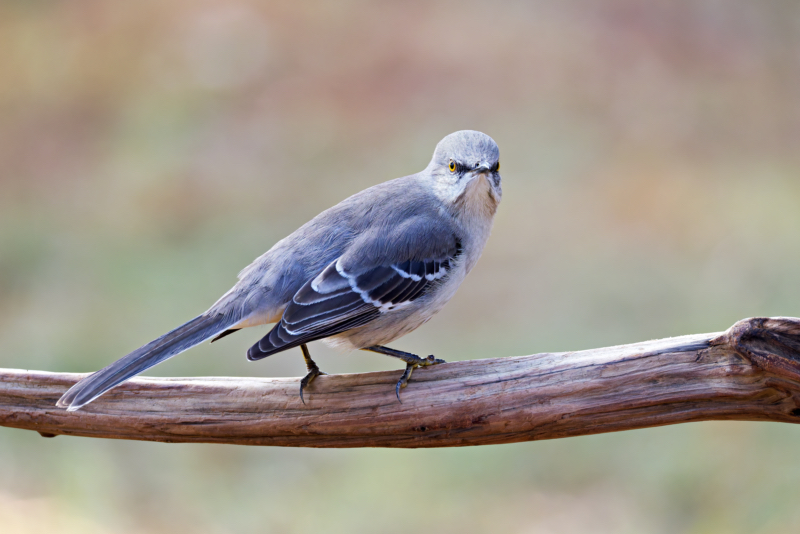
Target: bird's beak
pixel 482 168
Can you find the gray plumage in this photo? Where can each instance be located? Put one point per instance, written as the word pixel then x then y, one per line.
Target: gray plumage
pixel 362 273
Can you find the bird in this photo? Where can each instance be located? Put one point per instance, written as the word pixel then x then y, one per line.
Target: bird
pixel 359 275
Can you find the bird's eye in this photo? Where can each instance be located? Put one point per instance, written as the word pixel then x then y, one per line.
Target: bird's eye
pixel 452 166
pixel 497 166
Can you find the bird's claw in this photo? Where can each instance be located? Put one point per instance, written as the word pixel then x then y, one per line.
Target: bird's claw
pixel 313 373
pixel 422 362
pixel 430 360
pixel 403 382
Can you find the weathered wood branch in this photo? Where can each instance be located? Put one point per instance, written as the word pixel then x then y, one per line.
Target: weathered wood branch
pixel 751 372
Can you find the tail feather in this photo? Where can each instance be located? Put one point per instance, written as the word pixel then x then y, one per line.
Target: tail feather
pixel 182 338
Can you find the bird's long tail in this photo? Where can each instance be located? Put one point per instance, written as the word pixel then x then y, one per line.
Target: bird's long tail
pixel 182 338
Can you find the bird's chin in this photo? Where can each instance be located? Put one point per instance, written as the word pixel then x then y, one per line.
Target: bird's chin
pixel 492 180
pixel 479 176
pixel 494 183
pixel 479 195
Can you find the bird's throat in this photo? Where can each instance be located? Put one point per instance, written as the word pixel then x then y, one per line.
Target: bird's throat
pixel 478 198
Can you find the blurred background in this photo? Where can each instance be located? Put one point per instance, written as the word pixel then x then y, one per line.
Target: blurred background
pixel 149 150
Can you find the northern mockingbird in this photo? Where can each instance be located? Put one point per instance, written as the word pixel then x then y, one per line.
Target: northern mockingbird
pixel 359 275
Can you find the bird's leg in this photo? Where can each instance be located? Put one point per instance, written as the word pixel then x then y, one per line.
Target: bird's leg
pixel 412 362
pixel 313 371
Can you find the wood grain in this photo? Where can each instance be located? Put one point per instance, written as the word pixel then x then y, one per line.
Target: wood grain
pixel 750 372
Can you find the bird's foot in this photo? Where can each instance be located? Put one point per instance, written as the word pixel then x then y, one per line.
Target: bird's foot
pixel 410 366
pixel 313 372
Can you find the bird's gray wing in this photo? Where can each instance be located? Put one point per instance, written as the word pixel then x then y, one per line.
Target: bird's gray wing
pixel 348 294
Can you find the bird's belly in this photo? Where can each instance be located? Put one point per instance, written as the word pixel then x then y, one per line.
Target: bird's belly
pixel 259 318
pixel 399 322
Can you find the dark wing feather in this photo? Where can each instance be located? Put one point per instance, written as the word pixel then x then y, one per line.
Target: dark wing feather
pixel 337 301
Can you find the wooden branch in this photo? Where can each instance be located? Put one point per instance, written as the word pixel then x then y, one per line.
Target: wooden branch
pixel 751 372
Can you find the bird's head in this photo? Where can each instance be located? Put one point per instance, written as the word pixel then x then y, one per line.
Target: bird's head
pixel 464 169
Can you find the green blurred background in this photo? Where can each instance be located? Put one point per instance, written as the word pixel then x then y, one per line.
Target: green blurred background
pixel 151 149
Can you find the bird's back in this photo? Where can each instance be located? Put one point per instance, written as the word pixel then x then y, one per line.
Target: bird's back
pixel 268 284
